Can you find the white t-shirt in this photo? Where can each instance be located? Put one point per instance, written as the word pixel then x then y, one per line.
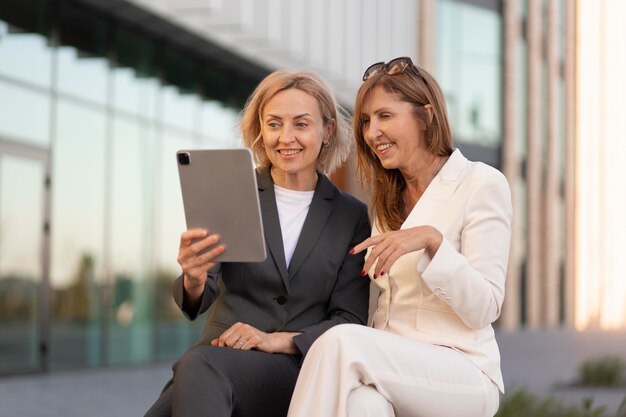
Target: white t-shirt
pixel 293 207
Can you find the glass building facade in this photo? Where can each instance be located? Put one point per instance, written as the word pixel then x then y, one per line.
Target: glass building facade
pixel 504 69
pixel 96 100
pixel 93 111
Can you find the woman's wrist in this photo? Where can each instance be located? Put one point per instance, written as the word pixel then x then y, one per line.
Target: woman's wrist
pixel 283 342
pixel 434 243
pixel 191 290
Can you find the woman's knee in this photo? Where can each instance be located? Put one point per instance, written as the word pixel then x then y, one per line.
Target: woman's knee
pixel 339 345
pixel 193 359
pixel 365 401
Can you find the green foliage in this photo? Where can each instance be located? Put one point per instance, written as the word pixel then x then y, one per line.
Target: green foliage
pixel 606 371
pixel 521 403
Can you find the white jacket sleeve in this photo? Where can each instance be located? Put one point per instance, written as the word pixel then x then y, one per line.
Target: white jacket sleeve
pixel 471 281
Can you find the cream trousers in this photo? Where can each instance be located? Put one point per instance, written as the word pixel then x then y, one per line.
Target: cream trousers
pixel 358 371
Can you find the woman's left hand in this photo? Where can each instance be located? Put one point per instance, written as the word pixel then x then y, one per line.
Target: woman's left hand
pixel 388 247
pixel 245 337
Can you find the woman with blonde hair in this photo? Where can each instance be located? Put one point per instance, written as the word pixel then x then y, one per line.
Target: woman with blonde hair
pixel 437 258
pixel 263 317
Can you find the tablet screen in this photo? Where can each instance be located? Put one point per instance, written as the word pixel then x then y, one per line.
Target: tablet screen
pixel 220 194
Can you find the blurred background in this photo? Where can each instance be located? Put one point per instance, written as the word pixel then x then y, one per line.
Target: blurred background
pixel 96 96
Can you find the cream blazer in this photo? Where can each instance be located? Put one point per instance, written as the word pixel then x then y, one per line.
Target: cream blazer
pixel 452 299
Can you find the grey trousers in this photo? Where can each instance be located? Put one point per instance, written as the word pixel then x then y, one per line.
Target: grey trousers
pixel 223 382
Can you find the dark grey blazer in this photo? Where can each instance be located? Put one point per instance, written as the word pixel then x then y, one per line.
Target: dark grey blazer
pixel 322 287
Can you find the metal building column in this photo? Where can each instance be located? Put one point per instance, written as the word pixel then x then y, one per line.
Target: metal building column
pixel 534 166
pixel 552 198
pixel 510 318
pixel 427 29
pixel 570 162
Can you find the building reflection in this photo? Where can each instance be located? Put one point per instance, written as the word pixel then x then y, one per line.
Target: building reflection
pixel 90 208
pixel 96 101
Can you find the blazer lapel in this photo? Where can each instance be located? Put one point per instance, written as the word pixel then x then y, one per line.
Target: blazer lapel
pixel 271 223
pixel 433 201
pixel 321 207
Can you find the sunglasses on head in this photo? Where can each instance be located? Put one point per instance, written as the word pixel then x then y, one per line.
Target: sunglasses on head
pixel 393 67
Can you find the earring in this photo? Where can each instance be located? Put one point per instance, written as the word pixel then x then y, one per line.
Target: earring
pixel 325 144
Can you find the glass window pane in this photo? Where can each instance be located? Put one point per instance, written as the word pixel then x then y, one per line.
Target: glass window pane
pixel 25 114
pixel 134 95
pixel 172 222
pixel 226 87
pixel 174 332
pixel 82 63
pixel 134 79
pixel 469 68
pixel 21 221
pixel 24 51
pixel 179 109
pixel 219 125
pixel 130 337
pixel 82 76
pixel 180 105
pixel 77 236
pixel 24 56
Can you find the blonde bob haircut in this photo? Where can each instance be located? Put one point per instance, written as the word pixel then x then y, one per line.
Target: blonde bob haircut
pixel 386 186
pixel 340 139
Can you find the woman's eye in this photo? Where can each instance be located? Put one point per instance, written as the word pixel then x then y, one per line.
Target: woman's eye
pixel 365 122
pixel 273 125
pixel 301 125
pixel 384 116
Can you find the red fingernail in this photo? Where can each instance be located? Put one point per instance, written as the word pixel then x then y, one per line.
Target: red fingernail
pixel 375 277
pixel 362 273
pixel 382 273
pixel 351 251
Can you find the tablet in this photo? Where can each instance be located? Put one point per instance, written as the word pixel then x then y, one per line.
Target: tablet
pixel 220 194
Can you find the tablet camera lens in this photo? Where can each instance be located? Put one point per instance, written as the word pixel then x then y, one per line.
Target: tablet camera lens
pixel 183 158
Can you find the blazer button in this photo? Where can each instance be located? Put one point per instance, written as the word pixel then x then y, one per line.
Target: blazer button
pixel 281 300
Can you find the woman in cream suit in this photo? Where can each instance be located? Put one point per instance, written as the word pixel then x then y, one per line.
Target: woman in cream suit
pixel 437 258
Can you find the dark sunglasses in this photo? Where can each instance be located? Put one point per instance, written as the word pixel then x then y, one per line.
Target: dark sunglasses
pixel 395 66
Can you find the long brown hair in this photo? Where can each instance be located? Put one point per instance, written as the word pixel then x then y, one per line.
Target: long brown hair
pixel 386 186
pixel 340 141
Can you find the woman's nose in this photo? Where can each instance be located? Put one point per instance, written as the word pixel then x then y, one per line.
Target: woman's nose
pixel 287 135
pixel 371 130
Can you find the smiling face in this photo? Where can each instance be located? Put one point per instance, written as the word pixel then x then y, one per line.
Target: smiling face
pixel 392 131
pixel 293 133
